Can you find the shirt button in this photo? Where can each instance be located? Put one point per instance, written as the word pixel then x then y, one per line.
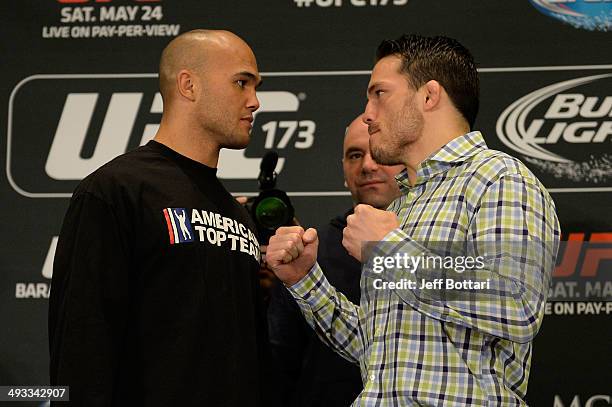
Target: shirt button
pixel 312 292
pixel 372 377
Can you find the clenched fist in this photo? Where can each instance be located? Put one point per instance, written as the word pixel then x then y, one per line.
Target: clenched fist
pixel 366 224
pixel 292 252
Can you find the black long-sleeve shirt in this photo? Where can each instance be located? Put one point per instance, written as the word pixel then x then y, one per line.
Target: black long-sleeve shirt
pixel 154 294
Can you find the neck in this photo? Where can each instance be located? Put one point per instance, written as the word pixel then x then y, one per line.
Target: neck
pixel 188 140
pixel 433 138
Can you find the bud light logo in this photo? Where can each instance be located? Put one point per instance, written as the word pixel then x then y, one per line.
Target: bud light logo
pixel 564 129
pixel 586 14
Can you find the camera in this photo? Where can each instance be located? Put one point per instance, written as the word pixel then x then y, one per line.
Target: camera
pixel 272 208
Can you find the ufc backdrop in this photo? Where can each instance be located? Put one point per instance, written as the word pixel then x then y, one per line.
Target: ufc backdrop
pixel 79 87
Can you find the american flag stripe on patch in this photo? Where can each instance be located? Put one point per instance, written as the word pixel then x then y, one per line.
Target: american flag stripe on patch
pixel 176 236
pixel 171 230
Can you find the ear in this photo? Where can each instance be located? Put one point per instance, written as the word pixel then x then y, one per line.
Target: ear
pixel 185 84
pixel 433 92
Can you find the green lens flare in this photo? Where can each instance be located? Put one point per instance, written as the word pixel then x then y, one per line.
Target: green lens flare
pixel 271 212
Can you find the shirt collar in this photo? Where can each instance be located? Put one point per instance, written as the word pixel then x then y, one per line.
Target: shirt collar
pixel 456 151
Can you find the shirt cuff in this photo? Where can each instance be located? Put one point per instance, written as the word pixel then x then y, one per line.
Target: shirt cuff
pixel 313 289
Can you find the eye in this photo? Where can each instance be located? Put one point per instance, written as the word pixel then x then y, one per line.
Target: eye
pixel 241 83
pixel 355 156
pixel 379 92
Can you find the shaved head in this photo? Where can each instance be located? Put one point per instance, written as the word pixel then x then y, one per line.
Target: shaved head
pixel 208 81
pixel 357 128
pixel 192 50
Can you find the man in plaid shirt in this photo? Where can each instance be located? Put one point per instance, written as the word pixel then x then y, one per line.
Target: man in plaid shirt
pixel 418 345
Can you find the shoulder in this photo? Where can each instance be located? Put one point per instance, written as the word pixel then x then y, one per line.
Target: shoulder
pixel 125 171
pixel 490 169
pixel 493 164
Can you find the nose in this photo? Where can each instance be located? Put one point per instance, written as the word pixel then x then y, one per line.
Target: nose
pixel 369 114
pixel 253 102
pixel 368 164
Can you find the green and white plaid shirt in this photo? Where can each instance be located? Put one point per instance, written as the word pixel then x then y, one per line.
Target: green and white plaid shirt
pixel 417 350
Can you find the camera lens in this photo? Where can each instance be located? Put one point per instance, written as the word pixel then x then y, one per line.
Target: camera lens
pixel 271 212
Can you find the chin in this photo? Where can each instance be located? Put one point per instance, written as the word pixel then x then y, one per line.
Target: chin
pixel 238 142
pixel 385 157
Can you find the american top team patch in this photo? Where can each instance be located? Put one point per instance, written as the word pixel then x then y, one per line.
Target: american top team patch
pixel 179 226
pixel 210 228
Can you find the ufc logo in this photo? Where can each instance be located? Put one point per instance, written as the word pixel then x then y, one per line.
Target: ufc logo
pixel 580 260
pixel 89 119
pixel 65 162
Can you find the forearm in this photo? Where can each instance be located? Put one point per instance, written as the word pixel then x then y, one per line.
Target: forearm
pixel 503 295
pixel 333 317
pixel 85 359
pixel 514 234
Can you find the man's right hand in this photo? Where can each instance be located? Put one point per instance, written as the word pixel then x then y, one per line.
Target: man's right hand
pixel 292 252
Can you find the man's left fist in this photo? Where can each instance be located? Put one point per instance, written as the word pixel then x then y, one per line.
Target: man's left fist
pixel 366 224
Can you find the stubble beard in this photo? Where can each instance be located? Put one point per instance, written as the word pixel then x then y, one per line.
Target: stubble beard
pixel 235 140
pixel 226 135
pixel 406 127
pixel 385 153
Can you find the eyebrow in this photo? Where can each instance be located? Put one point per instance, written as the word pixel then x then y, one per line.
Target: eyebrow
pixel 252 77
pixel 371 87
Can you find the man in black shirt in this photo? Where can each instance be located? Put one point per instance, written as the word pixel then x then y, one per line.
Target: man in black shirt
pixel 312 374
pixel 155 296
